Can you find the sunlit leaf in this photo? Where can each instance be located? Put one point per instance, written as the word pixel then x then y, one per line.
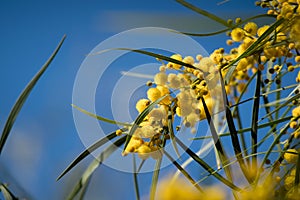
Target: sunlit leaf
pixel 23 96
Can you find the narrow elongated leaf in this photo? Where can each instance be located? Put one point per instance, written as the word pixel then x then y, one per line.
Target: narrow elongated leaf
pixel 100 118
pixel 88 151
pixel 204 13
pixel 94 165
pixel 222 154
pixel 281 106
pixel 206 166
pixel 249 128
pixel 155 179
pixel 233 132
pixel 23 96
pixel 171 131
pixel 7 194
pixel 228 29
pixel 255 110
pixel 135 179
pixel 270 149
pixel 154 55
pixel 183 171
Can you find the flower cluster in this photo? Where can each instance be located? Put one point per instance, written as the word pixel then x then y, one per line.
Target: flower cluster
pixel 185 90
pixel 180 92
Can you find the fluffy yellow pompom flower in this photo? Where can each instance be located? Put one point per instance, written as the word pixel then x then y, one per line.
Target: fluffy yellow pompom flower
pixel 291 155
pixel 142 104
pixel 251 28
pixel 237 34
pixel 261 30
pixel 153 94
pixel 144 151
pixel 134 143
pixel 289 182
pixel 164 90
pixel 174 65
pixel 242 64
pixel 180 189
pixel 296 112
pixel 189 60
pixel 160 78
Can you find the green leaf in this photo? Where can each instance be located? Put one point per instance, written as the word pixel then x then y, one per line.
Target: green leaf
pixel 7 194
pixel 254 125
pixel 171 131
pixel 227 29
pixel 135 179
pixel 204 13
pixel 233 132
pixel 154 55
pixel 22 98
pixel 88 151
pixel 99 117
pixel 183 171
pixel 249 128
pixel 281 106
pixel 203 164
pixel 93 166
pixel 252 48
pixel 155 179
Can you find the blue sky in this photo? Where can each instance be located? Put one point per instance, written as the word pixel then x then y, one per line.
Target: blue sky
pixel 44 139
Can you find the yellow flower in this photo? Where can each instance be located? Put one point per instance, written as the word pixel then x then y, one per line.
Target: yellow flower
pixel 142 104
pixel 160 78
pixel 289 182
pixel 119 132
pixel 164 90
pixel 261 30
pixel 189 60
pixel 237 34
pixel 264 191
pixel 134 143
pixel 174 81
pixel 153 94
pixel 144 151
pixel 251 28
pixel 174 65
pixel 146 131
pixel 287 10
pixel 296 112
pixel 180 189
pixel 295 31
pixel 291 155
pixel 293 124
pixel 242 64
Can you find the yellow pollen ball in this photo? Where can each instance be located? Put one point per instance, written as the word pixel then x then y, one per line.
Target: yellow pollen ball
pixel 174 65
pixel 291 155
pixel 237 34
pixel 143 151
pixel 142 104
pixel 296 112
pixel 261 30
pixel 242 64
pixel 153 94
pixel 251 28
